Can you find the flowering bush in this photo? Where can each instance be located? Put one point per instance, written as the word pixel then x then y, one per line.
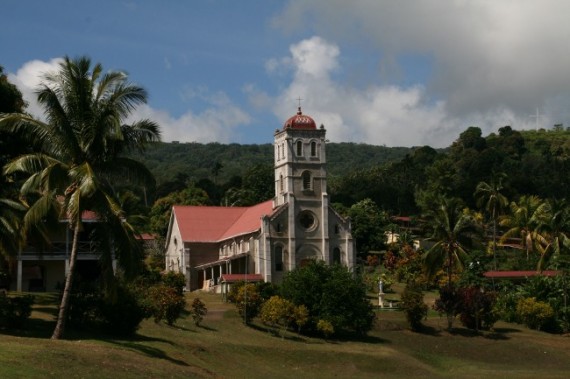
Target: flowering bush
pixel 166 303
pixel 534 314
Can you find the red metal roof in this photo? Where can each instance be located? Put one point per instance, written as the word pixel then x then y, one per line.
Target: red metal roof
pixel 518 274
pixel 300 121
pixel 212 224
pixel 232 278
pixel 145 237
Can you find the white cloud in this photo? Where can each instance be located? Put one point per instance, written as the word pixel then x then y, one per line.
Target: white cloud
pixel 215 123
pixel 491 63
pixel 28 79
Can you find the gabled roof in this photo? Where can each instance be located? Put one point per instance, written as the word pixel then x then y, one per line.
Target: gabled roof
pixel 213 224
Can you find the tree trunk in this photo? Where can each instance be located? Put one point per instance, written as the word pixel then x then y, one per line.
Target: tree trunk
pixel 64 306
pixel 494 240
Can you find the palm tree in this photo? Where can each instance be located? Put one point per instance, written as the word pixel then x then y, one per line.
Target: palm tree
pixel 490 198
pixel 80 158
pixel 11 213
pixel 522 222
pixel 553 233
pixel 453 230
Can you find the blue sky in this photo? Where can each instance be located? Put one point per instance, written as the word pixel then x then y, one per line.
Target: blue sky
pixel 380 72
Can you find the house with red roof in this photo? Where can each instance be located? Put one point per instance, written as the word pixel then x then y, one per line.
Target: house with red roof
pixel 271 238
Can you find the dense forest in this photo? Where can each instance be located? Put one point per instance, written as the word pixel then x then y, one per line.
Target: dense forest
pixel 535 162
pixel 214 160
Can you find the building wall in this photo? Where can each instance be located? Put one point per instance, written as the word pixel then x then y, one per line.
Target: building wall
pixel 174 249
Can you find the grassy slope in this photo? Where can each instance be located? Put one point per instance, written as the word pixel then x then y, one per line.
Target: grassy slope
pixel 224 347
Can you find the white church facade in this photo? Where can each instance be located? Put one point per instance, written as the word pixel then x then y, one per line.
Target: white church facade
pixel 269 239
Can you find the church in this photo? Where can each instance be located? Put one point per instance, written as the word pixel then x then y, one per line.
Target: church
pixel 263 242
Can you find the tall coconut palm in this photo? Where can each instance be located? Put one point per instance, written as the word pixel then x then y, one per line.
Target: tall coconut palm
pixel 553 233
pixel 11 213
pixel 522 222
pixel 80 158
pixel 453 230
pixel 490 198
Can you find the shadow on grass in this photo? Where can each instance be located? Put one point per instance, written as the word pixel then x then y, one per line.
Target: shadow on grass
pixel 47 310
pixel 275 332
pixel 209 328
pixel 149 351
pixel 317 338
pixel 33 328
pixel 429 331
pixel 501 333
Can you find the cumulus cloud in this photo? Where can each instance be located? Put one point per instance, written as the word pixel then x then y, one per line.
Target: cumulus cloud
pixel 378 115
pixel 28 79
pixel 216 122
pixel 490 62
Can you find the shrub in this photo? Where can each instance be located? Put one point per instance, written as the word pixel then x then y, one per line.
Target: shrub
pixel 409 267
pixel 174 280
pixel 165 303
pixel 476 309
pixel 325 327
pixel 117 313
pixel 372 260
pixel 267 290
pixel 233 292
pixel 15 311
pixel 448 303
pixel 535 314
pixel 330 293
pixel 248 301
pixel 121 314
pixel 276 311
pixel 300 316
pixel 506 305
pixel 198 311
pixel 412 302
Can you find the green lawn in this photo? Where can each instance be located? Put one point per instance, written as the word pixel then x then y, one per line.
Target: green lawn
pixel 224 347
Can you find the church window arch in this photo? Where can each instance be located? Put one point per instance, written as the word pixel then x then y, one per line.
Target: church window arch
pixel 313 149
pixel 336 256
pixel 278 258
pixel 299 147
pixel 307 180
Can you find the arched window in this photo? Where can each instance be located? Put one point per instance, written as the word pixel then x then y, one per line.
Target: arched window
pixel 281 183
pixel 299 148
pixel 307 180
pixel 336 256
pixel 278 258
pixel 313 149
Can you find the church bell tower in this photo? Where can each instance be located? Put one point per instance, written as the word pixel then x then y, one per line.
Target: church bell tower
pixel 301 186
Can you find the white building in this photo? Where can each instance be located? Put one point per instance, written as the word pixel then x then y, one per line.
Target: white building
pixel 273 237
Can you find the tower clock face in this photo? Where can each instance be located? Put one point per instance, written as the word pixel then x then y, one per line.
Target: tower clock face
pixel 307 220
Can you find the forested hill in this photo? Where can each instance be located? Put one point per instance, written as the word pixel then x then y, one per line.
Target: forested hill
pixel 198 161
